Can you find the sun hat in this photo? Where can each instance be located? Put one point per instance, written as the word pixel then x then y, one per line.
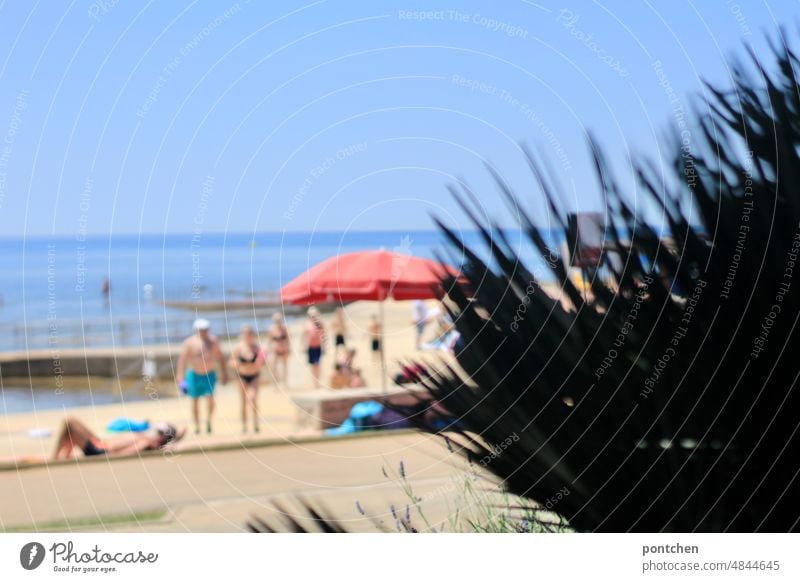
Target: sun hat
pixel 201 324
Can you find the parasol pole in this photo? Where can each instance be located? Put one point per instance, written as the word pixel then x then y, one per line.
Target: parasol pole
pixel 383 347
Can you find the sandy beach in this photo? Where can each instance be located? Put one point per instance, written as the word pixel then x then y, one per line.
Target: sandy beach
pixel 218 482
pixel 279 415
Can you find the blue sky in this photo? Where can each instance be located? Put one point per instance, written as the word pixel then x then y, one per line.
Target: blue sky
pixel 134 117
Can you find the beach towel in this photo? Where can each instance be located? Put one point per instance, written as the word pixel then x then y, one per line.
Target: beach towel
pixel 128 425
pixel 358 418
pixel 372 415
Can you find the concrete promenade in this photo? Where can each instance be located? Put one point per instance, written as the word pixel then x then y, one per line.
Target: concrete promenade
pixel 218 491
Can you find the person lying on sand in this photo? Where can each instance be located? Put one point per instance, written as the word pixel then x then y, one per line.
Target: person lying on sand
pixel 76 435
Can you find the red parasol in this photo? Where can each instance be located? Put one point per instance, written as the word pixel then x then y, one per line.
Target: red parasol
pixel 368 275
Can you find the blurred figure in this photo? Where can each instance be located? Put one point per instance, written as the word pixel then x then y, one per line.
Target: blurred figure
pixel 314 335
pixel 105 289
pixel 339 328
pixel 343 369
pixel 375 335
pixel 76 435
pixel 339 378
pixel 419 317
pixel 356 379
pixel 279 349
pixel 247 358
pixel 447 336
pixel 149 367
pixel 200 355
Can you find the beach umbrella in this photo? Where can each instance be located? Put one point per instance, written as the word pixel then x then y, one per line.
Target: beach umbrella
pixel 369 276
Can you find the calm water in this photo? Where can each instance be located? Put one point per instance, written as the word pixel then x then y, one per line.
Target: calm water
pixel 59 279
pixel 57 282
pixel 24 399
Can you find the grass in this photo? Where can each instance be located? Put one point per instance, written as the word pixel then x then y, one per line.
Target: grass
pixel 474 504
pixel 97 520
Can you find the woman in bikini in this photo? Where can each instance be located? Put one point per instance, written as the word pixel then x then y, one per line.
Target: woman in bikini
pixel 279 349
pixel 76 435
pixel 247 358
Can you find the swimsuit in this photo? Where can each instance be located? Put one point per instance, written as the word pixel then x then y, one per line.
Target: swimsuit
pixel 249 378
pixel 281 349
pixel 376 345
pixel 316 335
pixel 339 339
pixel 92 450
pixel 249 360
pixel 198 385
pixel 314 355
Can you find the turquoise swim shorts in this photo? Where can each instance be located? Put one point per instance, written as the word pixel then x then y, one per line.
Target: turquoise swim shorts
pixel 198 385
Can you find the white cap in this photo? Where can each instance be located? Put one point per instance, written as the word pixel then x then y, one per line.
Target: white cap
pixel 201 323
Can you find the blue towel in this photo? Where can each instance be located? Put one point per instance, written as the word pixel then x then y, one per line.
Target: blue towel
pixel 360 414
pixel 128 425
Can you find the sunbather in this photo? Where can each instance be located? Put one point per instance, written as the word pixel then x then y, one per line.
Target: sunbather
pixel 76 435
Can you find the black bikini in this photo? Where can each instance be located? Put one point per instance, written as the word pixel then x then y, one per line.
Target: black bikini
pixel 248 378
pixel 91 450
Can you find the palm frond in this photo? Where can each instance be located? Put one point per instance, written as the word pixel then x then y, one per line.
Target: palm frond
pixel 665 399
pixel 667 402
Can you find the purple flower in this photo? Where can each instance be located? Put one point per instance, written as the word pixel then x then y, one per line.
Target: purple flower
pixel 394 511
pixel 360 509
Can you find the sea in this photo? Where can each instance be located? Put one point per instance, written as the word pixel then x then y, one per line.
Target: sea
pixel 52 288
pixel 53 284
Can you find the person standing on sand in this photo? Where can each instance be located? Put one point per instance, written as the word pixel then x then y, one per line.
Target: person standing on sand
pixel 314 335
pixel 201 353
pixel 279 349
pixel 419 318
pixel 247 358
pixel 375 334
pixel 339 328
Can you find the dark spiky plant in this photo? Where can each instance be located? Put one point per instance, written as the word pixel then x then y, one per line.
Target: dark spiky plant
pixel 664 398
pixel 668 400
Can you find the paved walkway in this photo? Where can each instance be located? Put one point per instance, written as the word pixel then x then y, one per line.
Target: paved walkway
pixel 220 490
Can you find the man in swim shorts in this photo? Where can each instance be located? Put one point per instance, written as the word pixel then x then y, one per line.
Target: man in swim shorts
pixel 196 370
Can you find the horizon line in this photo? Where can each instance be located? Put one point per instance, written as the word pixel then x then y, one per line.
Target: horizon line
pixel 39 235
